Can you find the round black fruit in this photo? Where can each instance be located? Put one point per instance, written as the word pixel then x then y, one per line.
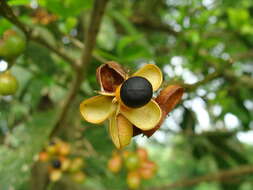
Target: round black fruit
pixel 56 164
pixel 135 92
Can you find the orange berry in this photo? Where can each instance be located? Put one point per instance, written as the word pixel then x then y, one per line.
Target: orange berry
pixel 55 175
pixel 76 164
pixel 125 154
pixel 79 177
pixel 147 168
pixel 133 180
pixel 51 149
pixel 63 148
pixel 146 173
pixel 149 164
pixel 142 153
pixel 115 164
pixel 65 163
pixel 43 156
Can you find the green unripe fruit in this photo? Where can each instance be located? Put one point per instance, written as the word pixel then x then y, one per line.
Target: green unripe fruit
pixel 8 84
pixel 132 162
pixel 12 45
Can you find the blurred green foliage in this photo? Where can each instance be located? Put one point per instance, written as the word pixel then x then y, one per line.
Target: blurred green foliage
pixel 188 40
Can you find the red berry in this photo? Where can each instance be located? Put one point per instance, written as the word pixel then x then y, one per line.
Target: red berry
pixel 142 153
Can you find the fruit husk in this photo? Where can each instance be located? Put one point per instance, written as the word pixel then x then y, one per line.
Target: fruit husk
pixel 121 130
pixel 152 73
pixel 145 117
pixel 167 99
pixel 97 109
pixel 110 75
pixel 136 131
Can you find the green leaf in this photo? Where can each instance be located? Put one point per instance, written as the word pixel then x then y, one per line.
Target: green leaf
pixel 121 19
pixel 18 2
pixel 133 52
pixel 126 41
pixel 66 8
pixel 24 143
pixel 45 34
pixel 238 17
pixel 5 24
pixel 67 25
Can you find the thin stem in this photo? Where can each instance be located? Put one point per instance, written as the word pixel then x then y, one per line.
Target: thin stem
pixel 90 41
pixel 208 78
pixel 80 45
pixel 31 34
pixel 219 176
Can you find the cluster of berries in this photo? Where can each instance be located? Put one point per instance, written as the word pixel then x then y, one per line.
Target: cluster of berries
pixel 137 164
pixel 57 155
pixel 12 44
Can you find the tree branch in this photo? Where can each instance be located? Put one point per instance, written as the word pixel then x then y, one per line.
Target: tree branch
pixel 221 72
pixel 90 41
pixel 60 51
pixel 230 74
pixel 244 55
pixel 7 12
pixel 152 25
pixel 219 176
pixel 244 80
pixel 80 45
pixel 208 78
pixel 30 33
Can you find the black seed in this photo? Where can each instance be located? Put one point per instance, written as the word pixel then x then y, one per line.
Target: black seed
pixel 136 92
pixel 56 164
pixel 52 143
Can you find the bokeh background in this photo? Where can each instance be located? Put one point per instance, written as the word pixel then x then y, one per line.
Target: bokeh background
pixel 204 45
